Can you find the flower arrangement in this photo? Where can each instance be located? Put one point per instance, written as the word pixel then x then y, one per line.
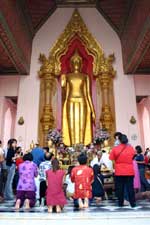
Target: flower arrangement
pixel 100 136
pixel 55 136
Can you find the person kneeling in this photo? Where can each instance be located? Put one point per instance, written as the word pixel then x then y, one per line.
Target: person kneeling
pixel 97 186
pixel 83 177
pixel 26 188
pixel 55 196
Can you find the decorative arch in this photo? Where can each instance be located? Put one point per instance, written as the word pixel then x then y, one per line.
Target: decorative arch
pixel 76 27
pixel 76 44
pixel 75 35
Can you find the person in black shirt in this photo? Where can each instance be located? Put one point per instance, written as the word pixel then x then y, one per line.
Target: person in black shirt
pixel 97 186
pixel 10 163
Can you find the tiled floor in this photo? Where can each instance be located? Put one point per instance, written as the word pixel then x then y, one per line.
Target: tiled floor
pixel 106 213
pixel 104 206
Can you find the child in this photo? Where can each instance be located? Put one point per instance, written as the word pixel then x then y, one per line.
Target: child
pixel 19 160
pixel 44 166
pixel 70 186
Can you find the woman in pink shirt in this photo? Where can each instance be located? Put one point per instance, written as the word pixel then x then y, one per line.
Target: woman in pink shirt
pixel 26 186
pixel 122 155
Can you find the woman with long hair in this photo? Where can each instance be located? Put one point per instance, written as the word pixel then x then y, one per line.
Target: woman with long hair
pixel 55 195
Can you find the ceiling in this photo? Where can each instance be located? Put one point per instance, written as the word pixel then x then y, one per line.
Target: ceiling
pixel 21 19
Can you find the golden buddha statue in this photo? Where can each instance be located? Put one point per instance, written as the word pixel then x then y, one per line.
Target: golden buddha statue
pixel 78 109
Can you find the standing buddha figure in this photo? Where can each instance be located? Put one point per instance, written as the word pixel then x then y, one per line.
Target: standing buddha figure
pixel 78 110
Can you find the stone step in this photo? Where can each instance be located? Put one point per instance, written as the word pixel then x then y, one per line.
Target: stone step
pixel 85 217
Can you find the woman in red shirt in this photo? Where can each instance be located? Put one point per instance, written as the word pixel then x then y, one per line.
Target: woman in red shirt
pixel 124 172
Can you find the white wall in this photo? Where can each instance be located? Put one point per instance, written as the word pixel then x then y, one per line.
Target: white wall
pixel 142 85
pixel 28 104
pixel 9 85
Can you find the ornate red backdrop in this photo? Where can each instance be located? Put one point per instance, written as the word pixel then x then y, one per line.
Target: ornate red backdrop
pixel 74 44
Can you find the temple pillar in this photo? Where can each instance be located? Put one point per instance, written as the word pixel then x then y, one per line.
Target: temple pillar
pixel 106 118
pixel 49 81
pixel 105 80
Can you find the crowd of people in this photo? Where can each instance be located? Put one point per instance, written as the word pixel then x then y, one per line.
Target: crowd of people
pixel 37 176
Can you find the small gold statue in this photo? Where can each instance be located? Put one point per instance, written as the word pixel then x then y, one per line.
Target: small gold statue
pixel 32 145
pixel 52 148
pixel 50 143
pixel 106 146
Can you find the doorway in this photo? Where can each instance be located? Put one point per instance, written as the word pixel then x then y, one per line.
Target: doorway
pixel 9 118
pixel 143 108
